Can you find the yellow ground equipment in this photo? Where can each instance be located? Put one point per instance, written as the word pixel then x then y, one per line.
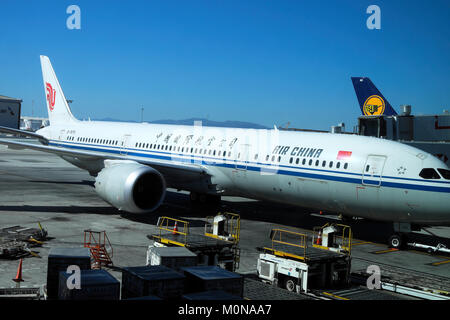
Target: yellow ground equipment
pixel 333 237
pixel 217 246
pixel 225 226
pixel 295 264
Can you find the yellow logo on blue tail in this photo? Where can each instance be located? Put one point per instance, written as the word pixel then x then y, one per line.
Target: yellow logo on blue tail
pixel 374 106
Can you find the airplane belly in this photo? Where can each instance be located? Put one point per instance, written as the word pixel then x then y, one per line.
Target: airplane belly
pixel 93 166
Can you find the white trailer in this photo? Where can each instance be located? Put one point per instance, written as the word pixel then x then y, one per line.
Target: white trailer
pixel 297 265
pixel 287 273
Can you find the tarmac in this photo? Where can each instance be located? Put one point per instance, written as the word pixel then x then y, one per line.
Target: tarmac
pixel 37 187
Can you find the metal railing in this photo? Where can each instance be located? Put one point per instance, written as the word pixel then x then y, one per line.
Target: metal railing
pixel 342 238
pixel 171 225
pixel 289 238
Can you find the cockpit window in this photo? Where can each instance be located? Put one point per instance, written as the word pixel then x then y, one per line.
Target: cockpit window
pixel 445 173
pixel 429 173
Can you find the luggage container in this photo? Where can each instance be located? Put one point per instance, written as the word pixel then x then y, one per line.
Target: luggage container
pixel 95 285
pixel 171 257
pixel 152 280
pixel 207 278
pixel 210 295
pixel 58 260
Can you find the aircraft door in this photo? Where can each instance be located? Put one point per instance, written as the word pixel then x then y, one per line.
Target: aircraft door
pixel 124 144
pixel 373 170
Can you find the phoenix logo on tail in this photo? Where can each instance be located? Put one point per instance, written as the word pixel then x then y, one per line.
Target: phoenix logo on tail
pixel 50 96
pixel 371 101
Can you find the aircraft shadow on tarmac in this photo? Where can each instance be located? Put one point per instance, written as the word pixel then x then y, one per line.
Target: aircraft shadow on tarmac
pixel 177 205
pixel 83 182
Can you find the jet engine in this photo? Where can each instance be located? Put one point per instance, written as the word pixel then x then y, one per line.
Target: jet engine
pixel 130 186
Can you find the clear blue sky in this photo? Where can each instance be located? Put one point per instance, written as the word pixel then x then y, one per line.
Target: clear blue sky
pixel 267 62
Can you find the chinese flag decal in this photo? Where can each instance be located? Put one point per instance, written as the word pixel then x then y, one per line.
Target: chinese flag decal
pixel 343 155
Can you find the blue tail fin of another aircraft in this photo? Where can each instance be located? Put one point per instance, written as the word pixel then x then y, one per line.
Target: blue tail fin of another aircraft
pixel 371 101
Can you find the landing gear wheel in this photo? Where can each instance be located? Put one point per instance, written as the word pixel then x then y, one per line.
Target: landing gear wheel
pixel 396 241
pixel 290 285
pixel 205 202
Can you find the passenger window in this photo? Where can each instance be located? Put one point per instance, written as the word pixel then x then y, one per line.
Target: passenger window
pixel 297 161
pixel 290 160
pixel 224 154
pixel 429 173
pixel 304 161
pixel 345 165
pixel 273 158
pixel 324 163
pixel 317 163
pixel 279 158
pixel 310 162
pixel 331 164
pixel 256 156
pixel 338 165
pixel 445 173
pixel 267 158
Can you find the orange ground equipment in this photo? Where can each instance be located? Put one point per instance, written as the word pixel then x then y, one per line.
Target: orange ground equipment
pixel 18 279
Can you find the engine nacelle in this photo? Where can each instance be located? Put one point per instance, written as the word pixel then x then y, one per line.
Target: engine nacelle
pixel 130 186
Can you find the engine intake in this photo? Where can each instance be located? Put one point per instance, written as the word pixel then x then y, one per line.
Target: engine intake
pixel 130 186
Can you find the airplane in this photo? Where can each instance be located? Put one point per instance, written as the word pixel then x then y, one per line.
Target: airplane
pixel 356 176
pixel 370 99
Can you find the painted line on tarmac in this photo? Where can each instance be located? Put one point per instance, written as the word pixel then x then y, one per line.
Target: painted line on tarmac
pixel 386 251
pixel 439 263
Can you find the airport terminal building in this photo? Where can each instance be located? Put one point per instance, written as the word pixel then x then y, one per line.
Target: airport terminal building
pixel 10 112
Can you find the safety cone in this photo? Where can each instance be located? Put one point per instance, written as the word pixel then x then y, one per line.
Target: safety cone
pixel 18 279
pixel 319 238
pixel 175 229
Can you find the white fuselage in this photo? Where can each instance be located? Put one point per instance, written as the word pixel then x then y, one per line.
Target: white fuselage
pixel 348 174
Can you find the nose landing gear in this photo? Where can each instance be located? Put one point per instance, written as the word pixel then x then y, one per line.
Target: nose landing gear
pixel 397 241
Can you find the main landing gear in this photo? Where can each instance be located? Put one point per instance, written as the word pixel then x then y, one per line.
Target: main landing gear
pixel 205 202
pixel 399 239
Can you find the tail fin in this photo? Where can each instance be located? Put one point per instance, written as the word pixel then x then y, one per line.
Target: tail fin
pixel 57 106
pixel 371 101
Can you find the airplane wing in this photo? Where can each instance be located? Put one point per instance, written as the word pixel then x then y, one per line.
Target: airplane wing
pixel 24 133
pixel 165 167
